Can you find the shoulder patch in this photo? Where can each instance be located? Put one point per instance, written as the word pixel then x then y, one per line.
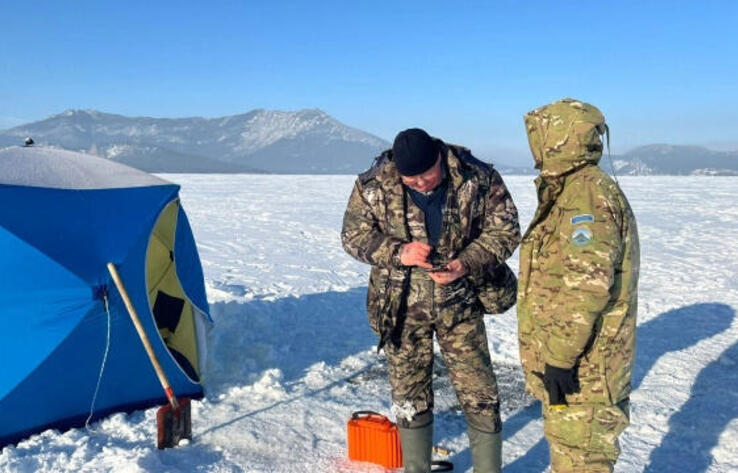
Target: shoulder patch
pixel 583 218
pixel 581 236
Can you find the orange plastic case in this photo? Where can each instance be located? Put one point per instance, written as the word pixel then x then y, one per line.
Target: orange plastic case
pixel 373 438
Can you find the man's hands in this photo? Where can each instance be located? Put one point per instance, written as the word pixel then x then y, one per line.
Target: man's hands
pixel 416 254
pixel 454 270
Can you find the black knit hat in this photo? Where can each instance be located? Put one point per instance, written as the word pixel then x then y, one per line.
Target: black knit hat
pixel 414 152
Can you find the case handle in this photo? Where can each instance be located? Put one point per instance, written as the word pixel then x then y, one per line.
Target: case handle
pixel 357 414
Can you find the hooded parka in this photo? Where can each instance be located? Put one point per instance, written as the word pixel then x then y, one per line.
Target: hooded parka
pixel 579 259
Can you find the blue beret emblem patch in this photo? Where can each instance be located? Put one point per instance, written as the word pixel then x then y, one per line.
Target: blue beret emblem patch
pixel 581 236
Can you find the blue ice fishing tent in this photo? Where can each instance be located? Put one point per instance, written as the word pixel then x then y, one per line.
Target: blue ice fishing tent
pixel 63 217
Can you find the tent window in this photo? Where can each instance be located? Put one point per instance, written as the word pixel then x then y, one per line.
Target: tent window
pixel 173 312
pixel 167 311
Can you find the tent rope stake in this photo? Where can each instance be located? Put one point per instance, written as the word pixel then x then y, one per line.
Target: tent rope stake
pixel 106 305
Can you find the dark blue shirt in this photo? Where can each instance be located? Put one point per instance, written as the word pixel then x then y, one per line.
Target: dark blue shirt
pixel 432 204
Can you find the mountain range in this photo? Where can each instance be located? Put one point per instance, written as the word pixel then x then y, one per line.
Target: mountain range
pixel 305 142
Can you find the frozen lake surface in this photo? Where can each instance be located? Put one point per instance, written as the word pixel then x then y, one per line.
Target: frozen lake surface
pixel 291 355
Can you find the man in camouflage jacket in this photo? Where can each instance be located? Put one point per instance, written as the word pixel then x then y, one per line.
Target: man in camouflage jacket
pixel 384 227
pixel 577 290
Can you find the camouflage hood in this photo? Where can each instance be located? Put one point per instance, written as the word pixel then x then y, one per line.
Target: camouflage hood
pixel 564 136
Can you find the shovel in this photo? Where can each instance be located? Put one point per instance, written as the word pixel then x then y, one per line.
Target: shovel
pixel 173 421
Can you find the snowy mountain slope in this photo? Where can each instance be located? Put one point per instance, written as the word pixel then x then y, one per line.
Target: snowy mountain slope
pixel 660 159
pixel 273 141
pixel 291 355
pixel 152 158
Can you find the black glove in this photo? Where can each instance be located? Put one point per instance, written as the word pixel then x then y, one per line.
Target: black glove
pixel 559 382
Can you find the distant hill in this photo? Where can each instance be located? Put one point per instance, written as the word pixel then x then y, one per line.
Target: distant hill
pixel 152 158
pixel 507 170
pixel 307 141
pixel 661 159
pixel 676 160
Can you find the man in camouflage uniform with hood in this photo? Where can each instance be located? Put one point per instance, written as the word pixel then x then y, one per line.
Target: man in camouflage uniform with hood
pixel 423 206
pixel 577 290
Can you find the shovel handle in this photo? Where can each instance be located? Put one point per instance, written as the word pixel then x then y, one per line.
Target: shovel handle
pixel 144 338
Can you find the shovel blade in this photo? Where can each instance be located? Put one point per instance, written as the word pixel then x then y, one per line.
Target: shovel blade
pixel 173 425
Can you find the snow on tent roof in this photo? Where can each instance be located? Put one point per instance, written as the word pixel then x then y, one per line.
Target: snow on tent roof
pixel 61 169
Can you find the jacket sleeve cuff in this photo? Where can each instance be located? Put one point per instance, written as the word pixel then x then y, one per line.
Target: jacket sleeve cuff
pixel 470 262
pixel 558 361
pixel 395 260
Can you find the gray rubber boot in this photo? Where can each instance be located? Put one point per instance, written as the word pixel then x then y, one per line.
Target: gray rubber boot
pixel 486 450
pixel 416 448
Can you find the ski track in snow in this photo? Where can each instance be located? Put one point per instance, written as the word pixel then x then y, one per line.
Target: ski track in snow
pixel 291 355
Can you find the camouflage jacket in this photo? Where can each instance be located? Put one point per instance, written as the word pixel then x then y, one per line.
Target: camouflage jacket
pixel 579 260
pixel 480 227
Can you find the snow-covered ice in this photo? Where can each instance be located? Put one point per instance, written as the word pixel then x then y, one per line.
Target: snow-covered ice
pixel 291 355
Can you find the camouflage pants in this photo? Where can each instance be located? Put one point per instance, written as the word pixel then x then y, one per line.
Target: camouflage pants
pixel 461 335
pixel 584 437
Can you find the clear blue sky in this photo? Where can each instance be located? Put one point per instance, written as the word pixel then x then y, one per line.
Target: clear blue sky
pixel 661 71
